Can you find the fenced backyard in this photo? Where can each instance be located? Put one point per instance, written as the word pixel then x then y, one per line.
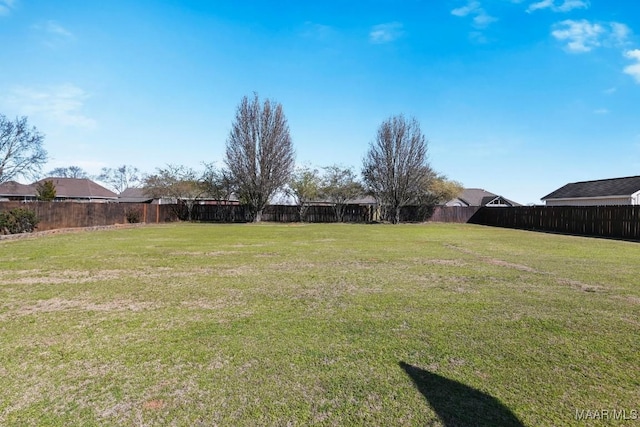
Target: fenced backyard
pixel 620 222
pixel 317 324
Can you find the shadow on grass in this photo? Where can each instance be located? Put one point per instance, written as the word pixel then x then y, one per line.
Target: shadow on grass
pixel 457 404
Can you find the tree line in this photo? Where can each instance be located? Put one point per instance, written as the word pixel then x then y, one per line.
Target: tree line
pixel 259 165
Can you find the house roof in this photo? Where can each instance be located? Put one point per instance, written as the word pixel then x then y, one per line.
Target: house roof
pixel 79 188
pixel 15 189
pixel 134 195
pixel 480 197
pixel 599 188
pixel 133 192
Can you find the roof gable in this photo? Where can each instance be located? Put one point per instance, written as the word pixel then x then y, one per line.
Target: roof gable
pixel 15 189
pixel 79 188
pixel 475 196
pixel 480 197
pixel 599 188
pixel 134 192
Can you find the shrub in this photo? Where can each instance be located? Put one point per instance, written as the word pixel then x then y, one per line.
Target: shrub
pixel 133 216
pixel 18 220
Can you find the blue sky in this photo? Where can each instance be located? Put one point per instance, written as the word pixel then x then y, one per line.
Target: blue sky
pixel 517 97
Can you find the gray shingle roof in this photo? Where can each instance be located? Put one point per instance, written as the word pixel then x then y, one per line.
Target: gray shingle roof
pixel 15 189
pixel 134 195
pixel 599 188
pixel 480 197
pixel 79 188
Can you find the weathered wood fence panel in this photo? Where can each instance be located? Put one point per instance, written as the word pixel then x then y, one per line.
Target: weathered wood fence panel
pixel 220 213
pixel 458 214
pixel 55 215
pixel 620 222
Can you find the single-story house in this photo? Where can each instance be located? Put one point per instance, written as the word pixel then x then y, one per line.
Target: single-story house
pixel 67 189
pixel 14 191
pixel 603 192
pixel 135 195
pixel 139 195
pixel 480 197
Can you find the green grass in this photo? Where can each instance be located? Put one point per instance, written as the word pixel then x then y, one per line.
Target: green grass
pixel 270 324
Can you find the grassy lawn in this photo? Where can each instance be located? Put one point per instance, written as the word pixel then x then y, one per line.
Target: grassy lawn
pixel 438 325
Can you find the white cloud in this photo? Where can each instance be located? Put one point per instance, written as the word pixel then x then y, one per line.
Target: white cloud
pixel 610 91
pixel 565 6
pixel 471 7
pixel 544 4
pixel 481 19
pixel 60 104
pixel 620 32
pixel 316 31
pixel 53 27
pixel 582 36
pixel 54 34
pixel 6 6
pixel 601 111
pixel 478 37
pixel 634 69
pixel 569 5
pixel 385 33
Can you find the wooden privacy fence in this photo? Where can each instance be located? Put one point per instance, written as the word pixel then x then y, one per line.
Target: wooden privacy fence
pixel 220 213
pixel 352 213
pixel 55 215
pixel 279 213
pixel 620 222
pixel 458 214
pixel 284 213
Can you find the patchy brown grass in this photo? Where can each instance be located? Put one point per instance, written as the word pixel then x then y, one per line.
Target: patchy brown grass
pixel 280 325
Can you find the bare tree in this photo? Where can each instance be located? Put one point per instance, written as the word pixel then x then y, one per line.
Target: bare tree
pixel 217 183
pixel 259 152
pixel 396 170
pixel 305 186
pixel 181 184
pixel 339 185
pixel 21 152
pixel 68 172
pixel 121 178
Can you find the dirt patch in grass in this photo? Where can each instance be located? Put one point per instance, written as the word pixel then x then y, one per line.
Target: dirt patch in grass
pixel 31 277
pixel 207 254
pixel 243 270
pixel 514 266
pixel 494 261
pixel 580 285
pixel 629 298
pixel 215 305
pixel 153 404
pixel 60 304
pixel 448 262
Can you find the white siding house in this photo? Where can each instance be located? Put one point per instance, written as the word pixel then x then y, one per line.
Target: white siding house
pixel 604 192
